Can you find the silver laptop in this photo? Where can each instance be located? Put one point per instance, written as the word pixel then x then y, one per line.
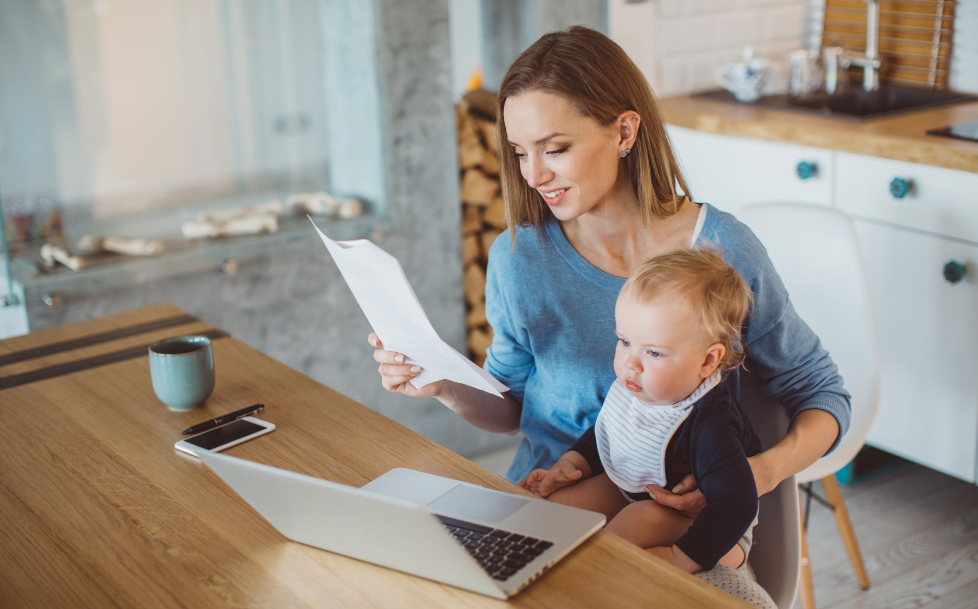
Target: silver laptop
pixel 449 531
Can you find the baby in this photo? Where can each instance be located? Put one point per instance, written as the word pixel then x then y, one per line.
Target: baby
pixel 678 321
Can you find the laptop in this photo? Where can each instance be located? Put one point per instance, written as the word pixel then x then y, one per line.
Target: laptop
pixel 449 531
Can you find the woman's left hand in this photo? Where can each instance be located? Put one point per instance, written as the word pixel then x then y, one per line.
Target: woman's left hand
pixel 685 497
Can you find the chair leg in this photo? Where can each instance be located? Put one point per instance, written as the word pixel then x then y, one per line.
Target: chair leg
pixel 834 495
pixel 806 589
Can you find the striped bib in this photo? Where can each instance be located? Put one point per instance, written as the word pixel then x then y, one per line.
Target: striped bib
pixel 632 436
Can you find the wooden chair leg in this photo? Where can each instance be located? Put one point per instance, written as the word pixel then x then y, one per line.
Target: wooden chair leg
pixel 806 588
pixel 834 496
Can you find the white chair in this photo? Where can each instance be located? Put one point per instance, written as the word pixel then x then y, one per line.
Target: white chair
pixel 776 555
pixel 816 252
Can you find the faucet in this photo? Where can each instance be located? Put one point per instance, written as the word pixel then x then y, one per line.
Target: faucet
pixel 870 63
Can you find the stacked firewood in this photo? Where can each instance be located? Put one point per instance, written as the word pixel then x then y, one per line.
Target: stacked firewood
pixel 483 212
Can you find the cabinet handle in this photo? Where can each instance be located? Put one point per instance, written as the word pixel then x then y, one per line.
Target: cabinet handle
pixel 954 271
pixel 806 169
pixel 900 187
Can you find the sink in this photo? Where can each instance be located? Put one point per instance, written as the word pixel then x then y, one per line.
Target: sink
pixel 855 104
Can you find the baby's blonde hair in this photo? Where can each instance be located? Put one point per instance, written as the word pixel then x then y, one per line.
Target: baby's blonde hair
pixel 716 292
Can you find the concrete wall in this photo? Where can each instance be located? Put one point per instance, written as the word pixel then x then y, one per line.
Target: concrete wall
pixel 510 26
pixel 465 24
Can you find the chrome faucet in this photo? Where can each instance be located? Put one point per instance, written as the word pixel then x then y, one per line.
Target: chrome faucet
pixel 870 63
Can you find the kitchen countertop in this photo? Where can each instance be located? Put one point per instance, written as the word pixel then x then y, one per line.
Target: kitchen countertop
pixel 903 137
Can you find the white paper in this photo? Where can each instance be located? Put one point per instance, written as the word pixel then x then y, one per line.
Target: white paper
pixel 395 314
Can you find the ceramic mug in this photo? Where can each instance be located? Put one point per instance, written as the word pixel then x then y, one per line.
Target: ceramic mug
pixel 182 370
pixel 744 80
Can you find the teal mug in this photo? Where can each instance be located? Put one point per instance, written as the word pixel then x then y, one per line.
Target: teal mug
pixel 182 369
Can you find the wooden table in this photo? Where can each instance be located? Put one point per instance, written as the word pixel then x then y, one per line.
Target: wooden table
pixel 97 509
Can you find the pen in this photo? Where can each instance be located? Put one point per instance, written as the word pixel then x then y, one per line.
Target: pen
pixel 223 419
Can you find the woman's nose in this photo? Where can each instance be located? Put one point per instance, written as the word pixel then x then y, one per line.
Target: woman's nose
pixel 633 363
pixel 536 172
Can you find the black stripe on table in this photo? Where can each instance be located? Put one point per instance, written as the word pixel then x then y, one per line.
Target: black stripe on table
pixel 95 339
pixel 89 363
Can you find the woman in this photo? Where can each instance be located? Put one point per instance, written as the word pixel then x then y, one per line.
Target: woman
pixel 590 186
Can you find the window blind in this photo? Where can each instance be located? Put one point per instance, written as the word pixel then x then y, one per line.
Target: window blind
pixel 914 38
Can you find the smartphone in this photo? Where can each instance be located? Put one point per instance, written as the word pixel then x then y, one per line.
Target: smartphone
pixel 226 436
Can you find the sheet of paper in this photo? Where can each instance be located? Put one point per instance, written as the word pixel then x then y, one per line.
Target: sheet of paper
pixel 394 312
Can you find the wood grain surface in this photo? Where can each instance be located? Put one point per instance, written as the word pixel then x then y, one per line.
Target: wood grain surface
pixel 99 510
pixel 903 137
pixel 918 532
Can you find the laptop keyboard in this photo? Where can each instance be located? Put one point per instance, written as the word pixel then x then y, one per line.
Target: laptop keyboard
pixel 501 553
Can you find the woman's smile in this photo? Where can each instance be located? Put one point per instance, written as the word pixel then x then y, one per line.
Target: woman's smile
pixel 553 197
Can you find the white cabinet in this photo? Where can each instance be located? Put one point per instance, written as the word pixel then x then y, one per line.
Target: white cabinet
pixel 927 330
pixel 932 199
pixel 731 172
pixel 913 221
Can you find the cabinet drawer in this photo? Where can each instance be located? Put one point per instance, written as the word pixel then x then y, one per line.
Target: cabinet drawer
pixel 927 329
pixel 732 172
pixel 937 200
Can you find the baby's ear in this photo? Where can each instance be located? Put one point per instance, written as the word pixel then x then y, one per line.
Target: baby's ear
pixel 714 355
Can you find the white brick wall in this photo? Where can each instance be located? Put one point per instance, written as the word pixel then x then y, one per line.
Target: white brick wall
pixel 964 53
pixel 680 43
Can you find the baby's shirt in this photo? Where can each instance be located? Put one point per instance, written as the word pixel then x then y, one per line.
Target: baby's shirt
pixel 712 442
pixel 632 436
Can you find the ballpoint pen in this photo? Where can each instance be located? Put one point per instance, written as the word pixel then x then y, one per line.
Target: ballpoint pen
pixel 223 419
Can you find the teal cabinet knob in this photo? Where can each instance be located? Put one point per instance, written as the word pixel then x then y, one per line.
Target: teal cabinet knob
pixel 954 271
pixel 900 187
pixel 806 169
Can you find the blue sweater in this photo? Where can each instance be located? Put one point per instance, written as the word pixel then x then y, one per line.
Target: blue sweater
pixel 553 320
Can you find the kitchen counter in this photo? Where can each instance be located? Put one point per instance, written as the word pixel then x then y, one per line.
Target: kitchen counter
pixel 903 137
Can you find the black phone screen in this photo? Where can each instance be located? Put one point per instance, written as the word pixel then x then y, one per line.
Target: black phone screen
pixel 224 434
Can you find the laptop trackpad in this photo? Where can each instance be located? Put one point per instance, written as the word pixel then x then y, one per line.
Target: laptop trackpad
pixel 477 504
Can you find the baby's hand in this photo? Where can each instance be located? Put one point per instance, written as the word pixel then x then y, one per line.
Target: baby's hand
pixel 543 482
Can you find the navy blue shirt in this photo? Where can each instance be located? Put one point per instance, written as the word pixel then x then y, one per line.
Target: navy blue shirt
pixel 713 444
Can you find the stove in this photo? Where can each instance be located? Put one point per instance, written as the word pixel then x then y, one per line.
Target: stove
pixel 963 131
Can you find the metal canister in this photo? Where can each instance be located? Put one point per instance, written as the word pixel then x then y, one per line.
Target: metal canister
pixel 835 61
pixel 804 72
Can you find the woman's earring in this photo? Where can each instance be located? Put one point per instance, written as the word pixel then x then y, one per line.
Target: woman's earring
pixel 624 152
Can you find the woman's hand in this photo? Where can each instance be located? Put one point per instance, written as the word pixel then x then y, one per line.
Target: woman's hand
pixel 395 375
pixel 484 410
pixel 543 482
pixel 685 497
pixel 688 499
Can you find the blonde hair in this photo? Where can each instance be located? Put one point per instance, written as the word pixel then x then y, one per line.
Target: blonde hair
pixel 714 290
pixel 589 70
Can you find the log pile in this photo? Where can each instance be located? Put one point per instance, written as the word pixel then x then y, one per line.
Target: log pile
pixel 483 212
